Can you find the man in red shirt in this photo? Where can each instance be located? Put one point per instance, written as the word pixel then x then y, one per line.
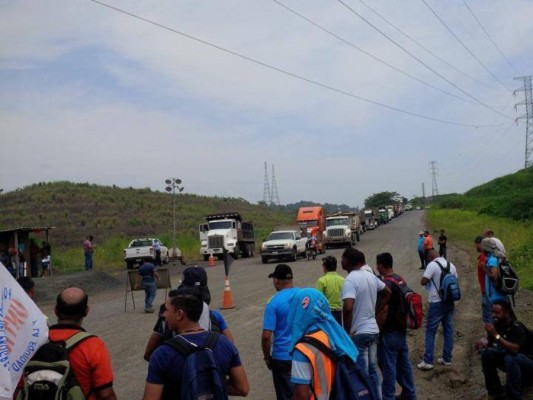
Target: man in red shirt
pixel 486 312
pixel 90 359
pixel 428 245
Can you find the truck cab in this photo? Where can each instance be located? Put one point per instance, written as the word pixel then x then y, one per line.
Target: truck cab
pixel 312 220
pixel 343 228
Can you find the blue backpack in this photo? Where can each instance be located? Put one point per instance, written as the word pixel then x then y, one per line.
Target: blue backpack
pixel 202 377
pixel 350 382
pixel 449 284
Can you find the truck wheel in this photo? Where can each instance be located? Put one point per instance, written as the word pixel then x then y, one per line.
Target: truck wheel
pixel 236 252
pixel 130 264
pixel 264 260
pixel 358 237
pixel 206 257
pixel 251 251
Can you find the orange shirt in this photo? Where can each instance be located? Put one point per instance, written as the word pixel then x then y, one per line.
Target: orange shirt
pixel 89 359
pixel 428 242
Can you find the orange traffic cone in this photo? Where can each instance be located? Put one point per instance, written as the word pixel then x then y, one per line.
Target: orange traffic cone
pixel 211 262
pixel 227 301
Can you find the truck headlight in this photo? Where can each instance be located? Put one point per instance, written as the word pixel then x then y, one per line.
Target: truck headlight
pixel 347 232
pixel 288 246
pixel 325 233
pixel 263 246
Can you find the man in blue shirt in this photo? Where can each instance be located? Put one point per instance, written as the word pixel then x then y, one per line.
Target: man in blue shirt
pixel 493 256
pixel 420 247
pixel 277 333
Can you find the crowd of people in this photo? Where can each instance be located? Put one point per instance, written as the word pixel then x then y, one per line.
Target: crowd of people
pixel 307 333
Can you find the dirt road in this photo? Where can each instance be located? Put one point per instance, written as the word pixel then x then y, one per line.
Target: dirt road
pixel 126 332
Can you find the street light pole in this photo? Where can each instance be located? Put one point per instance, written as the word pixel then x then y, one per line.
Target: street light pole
pixel 172 185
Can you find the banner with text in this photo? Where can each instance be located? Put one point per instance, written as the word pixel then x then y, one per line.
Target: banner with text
pixel 23 330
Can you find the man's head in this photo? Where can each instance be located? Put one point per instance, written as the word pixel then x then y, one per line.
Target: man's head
pixel 352 259
pixel 502 312
pixel 477 243
pixel 384 263
pixel 432 254
pixel 27 284
pixel 488 233
pixel 282 276
pixel 329 263
pixel 182 311
pixel 421 233
pixel 72 305
pixel 426 233
pixel 442 231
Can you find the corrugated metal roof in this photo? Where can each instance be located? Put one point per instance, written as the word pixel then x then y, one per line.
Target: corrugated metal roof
pixel 28 229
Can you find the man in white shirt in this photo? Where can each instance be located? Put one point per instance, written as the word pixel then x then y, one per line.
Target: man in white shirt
pixel 363 311
pixel 439 311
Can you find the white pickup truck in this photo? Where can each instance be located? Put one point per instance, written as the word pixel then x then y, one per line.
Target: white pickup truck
pixel 283 244
pixel 139 249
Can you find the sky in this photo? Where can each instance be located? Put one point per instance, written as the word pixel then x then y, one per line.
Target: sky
pixel 344 98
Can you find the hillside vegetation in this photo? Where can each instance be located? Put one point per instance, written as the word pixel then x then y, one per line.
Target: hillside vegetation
pixel 504 205
pixel 116 215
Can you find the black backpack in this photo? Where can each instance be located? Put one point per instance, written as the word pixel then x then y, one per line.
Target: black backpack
pixel 350 382
pixel 49 376
pixel 202 377
pixel 507 281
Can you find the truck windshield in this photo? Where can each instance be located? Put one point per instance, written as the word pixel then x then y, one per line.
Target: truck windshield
pixel 280 236
pixel 312 223
pixel 337 222
pixel 220 225
pixel 141 243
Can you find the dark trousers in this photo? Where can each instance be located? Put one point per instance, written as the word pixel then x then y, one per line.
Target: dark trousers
pixel 422 259
pixel 337 314
pixel 281 374
pixel 516 367
pixel 442 251
pixel 157 260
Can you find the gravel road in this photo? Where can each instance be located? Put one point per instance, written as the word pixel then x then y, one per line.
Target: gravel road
pixel 126 332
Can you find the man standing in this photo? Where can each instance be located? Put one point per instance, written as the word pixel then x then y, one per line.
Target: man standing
pixel 157 250
pixel 90 359
pixel 493 256
pixel 361 304
pixel 439 312
pixel 443 240
pixel 506 348
pixel 275 325
pixel 420 248
pixel 330 285
pixel 146 279
pixel 167 365
pixel 88 250
pixel 393 353
pixel 481 273
pixel 428 245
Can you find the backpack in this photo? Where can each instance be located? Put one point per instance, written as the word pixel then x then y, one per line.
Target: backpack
pixel 202 378
pixel 411 305
pixel 449 290
pixel 49 376
pixel 507 281
pixel 350 382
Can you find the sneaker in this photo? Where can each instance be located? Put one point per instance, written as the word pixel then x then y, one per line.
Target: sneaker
pixel 424 366
pixel 149 310
pixel 445 363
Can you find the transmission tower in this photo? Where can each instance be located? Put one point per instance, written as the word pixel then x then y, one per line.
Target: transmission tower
pixel 434 188
pixel 267 197
pixel 528 116
pixel 274 197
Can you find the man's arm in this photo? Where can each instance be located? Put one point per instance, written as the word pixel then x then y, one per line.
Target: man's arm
pixel 238 382
pixel 226 332
pixel 504 344
pixel 424 281
pixel 106 394
pixel 152 391
pixel 153 343
pixel 347 314
pixel 301 392
pixel 266 345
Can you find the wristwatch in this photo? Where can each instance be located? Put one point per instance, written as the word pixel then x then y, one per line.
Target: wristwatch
pixel 497 337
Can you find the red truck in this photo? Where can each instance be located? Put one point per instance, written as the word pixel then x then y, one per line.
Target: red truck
pixel 312 221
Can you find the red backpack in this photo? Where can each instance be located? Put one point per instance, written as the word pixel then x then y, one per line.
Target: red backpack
pixel 411 304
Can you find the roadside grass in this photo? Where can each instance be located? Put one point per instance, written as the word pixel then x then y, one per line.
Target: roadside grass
pixel 463 226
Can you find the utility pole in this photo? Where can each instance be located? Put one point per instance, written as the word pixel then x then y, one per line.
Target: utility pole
pixel 423 190
pixel 274 199
pixel 433 168
pixel 267 197
pixel 528 116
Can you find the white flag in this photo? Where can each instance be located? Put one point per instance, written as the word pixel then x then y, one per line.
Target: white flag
pixel 23 330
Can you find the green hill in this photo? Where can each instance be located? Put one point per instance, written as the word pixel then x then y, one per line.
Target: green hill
pixel 116 215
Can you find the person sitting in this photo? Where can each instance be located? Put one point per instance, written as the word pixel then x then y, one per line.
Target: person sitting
pixel 508 349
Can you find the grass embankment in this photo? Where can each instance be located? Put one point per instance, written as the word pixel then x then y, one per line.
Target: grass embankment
pixel 463 226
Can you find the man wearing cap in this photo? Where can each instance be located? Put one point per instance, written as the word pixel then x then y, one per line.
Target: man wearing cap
pixel 481 273
pixel 420 247
pixel 277 335
pixel 330 285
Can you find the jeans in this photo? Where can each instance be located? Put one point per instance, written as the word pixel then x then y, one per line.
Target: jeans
pixel 422 259
pixel 150 290
pixel 367 359
pixel 393 356
pixel 88 260
pixel 516 367
pixel 281 374
pixel 486 312
pixel 439 312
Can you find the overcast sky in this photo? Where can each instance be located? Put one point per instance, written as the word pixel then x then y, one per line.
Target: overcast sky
pixel 90 94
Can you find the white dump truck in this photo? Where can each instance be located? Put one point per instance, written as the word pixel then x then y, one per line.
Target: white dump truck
pixel 343 228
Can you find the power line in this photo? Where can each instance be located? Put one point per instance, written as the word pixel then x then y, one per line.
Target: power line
pixel 287 73
pixel 426 49
pixel 345 41
pixel 420 61
pixel 464 45
pixel 490 38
